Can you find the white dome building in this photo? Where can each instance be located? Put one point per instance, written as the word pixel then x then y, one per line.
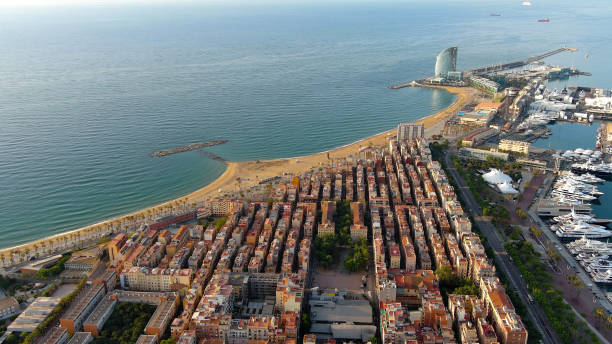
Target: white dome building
pixel 507 189
pixel 495 177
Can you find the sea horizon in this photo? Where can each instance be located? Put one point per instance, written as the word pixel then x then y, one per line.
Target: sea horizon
pixel 90 93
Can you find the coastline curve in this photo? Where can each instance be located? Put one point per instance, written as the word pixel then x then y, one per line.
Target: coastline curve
pixel 245 172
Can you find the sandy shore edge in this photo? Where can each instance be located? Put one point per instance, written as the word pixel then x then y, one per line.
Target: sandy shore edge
pixel 249 173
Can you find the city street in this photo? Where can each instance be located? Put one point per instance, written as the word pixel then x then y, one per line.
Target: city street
pixel 496 242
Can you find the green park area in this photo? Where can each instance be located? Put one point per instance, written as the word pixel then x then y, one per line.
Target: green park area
pixel 126 323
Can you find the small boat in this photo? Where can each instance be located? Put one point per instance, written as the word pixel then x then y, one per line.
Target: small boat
pixel 545 20
pixel 495 15
pixel 526 3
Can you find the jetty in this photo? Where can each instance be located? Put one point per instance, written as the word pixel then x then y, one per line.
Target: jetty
pixel 516 64
pixel 188 148
pixel 413 83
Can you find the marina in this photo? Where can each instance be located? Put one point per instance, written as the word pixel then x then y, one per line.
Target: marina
pixel 579 195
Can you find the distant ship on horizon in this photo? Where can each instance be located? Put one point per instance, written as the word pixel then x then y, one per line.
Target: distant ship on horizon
pixel 545 20
pixel 526 3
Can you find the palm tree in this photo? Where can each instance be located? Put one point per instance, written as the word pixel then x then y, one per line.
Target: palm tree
pixel 600 313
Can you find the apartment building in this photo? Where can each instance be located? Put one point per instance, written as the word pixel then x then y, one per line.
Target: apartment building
pixel 358 228
pixel 514 146
pixel 99 316
pixel 80 310
pixel 81 338
pixel 145 279
pixel 508 325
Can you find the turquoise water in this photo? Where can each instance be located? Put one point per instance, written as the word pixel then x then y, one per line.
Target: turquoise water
pixel 87 93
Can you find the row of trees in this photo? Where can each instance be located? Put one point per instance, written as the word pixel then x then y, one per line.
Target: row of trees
pixel 453 284
pixel 50 320
pixel 343 222
pixel 326 246
pixel 325 249
pixel 534 334
pixel 559 313
pixel 79 239
pixel 358 257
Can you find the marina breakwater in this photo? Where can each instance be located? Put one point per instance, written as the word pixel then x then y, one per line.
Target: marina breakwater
pixel 188 148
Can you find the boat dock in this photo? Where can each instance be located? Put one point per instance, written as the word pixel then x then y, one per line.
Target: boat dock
pixel 188 148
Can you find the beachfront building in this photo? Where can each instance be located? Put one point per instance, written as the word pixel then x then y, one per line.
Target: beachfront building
pixel 410 131
pixel 84 260
pixel 446 61
pixel 224 207
pixel 484 84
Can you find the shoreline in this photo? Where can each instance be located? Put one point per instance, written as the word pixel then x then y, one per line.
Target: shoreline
pixel 248 172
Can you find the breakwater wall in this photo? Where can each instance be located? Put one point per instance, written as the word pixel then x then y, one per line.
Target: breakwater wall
pixel 188 148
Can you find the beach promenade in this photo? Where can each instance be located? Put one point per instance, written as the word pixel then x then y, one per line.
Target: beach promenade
pixel 242 174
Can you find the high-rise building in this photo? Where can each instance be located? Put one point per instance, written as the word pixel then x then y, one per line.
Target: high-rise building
pixel 446 62
pixel 410 131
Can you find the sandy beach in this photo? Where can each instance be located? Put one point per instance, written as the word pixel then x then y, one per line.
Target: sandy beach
pixel 245 173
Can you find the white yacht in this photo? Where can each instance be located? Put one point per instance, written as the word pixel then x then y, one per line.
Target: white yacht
pixel 597 265
pixel 589 247
pixel 573 217
pixel 602 169
pixel 604 276
pixel 589 178
pixel 573 194
pixel 581 229
pixel 577 187
pixel 590 257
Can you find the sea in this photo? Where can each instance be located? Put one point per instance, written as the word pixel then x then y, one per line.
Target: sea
pixel 89 90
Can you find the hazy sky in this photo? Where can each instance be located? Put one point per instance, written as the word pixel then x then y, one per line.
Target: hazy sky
pixel 27 3
pixel 53 3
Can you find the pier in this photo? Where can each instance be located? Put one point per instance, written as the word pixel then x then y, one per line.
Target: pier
pixel 188 148
pixel 497 68
pixel 407 84
pixel 519 63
